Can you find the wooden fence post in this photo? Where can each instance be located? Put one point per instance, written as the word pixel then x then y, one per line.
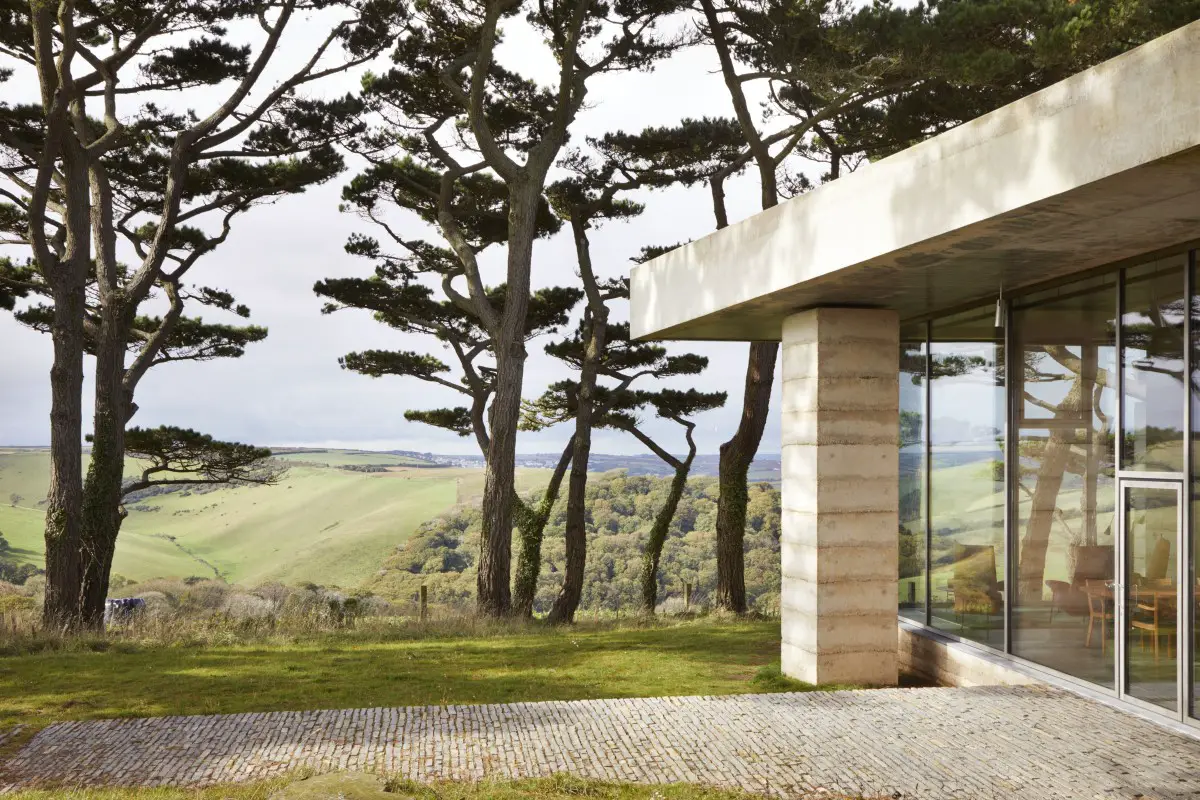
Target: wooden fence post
pixel 687 597
pixel 424 602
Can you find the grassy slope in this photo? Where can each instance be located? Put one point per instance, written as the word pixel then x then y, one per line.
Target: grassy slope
pixel 321 524
pixel 337 458
pixel 695 658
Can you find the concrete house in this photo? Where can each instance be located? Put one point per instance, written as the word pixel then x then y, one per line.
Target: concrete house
pixel 989 367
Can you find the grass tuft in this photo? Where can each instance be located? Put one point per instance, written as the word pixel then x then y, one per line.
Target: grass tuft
pixel 770 678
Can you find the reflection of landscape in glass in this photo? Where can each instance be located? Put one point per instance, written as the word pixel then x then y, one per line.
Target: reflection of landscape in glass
pixel 1151 524
pixel 1194 490
pixel 1065 376
pixel 966 504
pixel 912 473
pixel 1152 360
pixel 1065 505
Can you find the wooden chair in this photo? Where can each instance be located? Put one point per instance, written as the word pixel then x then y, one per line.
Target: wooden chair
pixel 1099 600
pixel 1062 598
pixel 1092 562
pixel 1154 613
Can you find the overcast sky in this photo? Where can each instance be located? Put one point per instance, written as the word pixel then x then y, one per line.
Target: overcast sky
pixel 289 390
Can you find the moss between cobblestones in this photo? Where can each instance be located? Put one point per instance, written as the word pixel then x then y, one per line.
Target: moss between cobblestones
pixel 559 787
pixel 690 658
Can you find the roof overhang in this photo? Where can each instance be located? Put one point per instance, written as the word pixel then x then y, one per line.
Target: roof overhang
pixel 1096 169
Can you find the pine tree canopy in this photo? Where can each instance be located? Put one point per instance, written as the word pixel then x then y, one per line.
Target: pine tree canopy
pixel 180 456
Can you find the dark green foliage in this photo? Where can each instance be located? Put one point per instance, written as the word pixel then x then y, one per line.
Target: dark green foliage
pixel 621 510
pixel 960 59
pixel 11 570
pixel 186 339
pixel 15 282
pixel 182 456
pixel 689 153
pixel 456 420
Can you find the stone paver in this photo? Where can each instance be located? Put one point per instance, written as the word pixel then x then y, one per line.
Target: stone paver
pixel 933 744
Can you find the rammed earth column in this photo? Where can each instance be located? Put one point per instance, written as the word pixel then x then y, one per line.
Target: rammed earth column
pixel 840 495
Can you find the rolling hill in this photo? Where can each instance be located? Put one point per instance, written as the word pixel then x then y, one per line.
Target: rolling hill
pixel 325 522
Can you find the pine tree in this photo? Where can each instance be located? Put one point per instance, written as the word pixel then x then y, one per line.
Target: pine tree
pixel 398 298
pixel 116 196
pixel 846 85
pixel 617 405
pixel 450 107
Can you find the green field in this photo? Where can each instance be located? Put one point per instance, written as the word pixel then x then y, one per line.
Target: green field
pixel 341 458
pixel 322 524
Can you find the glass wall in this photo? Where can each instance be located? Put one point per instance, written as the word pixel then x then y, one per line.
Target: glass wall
pixel 1038 483
pixel 966 480
pixel 1152 364
pixel 1193 571
pixel 913 470
pixel 1065 383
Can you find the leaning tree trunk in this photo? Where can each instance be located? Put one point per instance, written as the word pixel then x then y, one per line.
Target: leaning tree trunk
pixel 102 510
pixel 531 525
pixel 567 601
pixel 658 537
pixel 737 455
pixel 495 557
pixel 64 565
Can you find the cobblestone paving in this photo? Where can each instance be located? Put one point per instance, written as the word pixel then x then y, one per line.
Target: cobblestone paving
pixel 991 742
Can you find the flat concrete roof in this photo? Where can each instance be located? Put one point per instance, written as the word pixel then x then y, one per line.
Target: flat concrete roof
pixel 1101 167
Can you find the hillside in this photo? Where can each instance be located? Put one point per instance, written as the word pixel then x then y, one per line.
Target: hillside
pixel 326 522
pixel 621 510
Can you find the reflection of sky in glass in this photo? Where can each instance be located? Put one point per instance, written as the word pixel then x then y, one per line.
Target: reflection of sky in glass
pixel 1152 331
pixel 968 409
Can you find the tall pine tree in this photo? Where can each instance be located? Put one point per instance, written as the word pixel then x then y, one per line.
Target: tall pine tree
pixel 458 112
pixel 117 196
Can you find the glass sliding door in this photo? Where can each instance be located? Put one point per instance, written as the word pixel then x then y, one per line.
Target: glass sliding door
pixel 1150 591
pixel 966 500
pixel 1150 595
pixel 1064 378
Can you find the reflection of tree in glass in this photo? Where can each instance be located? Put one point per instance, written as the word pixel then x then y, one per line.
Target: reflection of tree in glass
pixel 1080 433
pixel 1057 454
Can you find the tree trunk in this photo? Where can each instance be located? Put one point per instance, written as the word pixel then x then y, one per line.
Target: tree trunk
pixel 567 601
pixel 495 557
pixel 102 511
pixel 64 566
pixel 658 537
pixel 737 454
pixel 531 525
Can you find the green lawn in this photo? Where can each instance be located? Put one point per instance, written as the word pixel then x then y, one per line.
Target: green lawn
pixel 560 787
pixel 687 658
